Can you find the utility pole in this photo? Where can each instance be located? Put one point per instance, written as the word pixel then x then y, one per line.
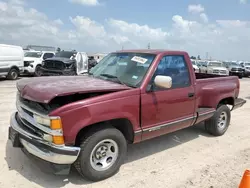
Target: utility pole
pixel 122 47
pixel 206 55
pixel 148 45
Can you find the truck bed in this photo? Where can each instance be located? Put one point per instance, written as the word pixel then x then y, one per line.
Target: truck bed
pixel 210 89
pixel 204 76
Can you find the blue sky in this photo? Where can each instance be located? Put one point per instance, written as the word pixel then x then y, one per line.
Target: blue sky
pixel 154 13
pixel 221 27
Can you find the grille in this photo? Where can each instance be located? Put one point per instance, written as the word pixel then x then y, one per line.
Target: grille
pixel 219 71
pixel 223 71
pixel 26 63
pixel 28 127
pixel 56 65
pixel 236 69
pixel 24 117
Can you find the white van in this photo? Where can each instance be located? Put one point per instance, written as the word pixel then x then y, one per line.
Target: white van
pixel 11 61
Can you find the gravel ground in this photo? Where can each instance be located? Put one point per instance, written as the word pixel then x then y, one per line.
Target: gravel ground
pixel 187 158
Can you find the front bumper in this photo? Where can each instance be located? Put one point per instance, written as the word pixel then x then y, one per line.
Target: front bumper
pixel 247 73
pixel 236 72
pixel 49 72
pixel 28 70
pixel 38 147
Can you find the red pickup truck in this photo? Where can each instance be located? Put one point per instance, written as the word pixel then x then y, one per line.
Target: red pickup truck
pixel 130 96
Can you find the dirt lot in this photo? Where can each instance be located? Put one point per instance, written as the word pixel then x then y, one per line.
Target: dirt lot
pixel 187 158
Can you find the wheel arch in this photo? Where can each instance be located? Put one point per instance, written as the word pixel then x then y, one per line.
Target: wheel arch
pixel 226 101
pixel 14 67
pixel 122 124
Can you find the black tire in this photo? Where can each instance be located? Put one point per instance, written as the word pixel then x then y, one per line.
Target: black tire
pixel 38 71
pixel 13 74
pixel 211 125
pixel 240 76
pixel 89 142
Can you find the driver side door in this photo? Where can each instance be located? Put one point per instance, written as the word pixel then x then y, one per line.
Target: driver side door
pixel 168 110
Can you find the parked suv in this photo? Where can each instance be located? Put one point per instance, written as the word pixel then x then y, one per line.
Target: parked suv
pixel 65 63
pixel 214 67
pixel 246 68
pixel 234 69
pixel 33 61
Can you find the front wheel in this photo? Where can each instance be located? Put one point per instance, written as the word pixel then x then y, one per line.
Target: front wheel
pixel 13 74
pixel 102 154
pixel 38 71
pixel 219 123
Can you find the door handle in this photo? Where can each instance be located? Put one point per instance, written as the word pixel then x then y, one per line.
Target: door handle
pixel 190 95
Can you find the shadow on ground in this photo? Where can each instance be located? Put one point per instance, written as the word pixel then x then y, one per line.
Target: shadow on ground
pixel 3 78
pixel 37 172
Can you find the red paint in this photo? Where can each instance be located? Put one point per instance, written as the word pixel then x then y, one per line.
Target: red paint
pixel 144 110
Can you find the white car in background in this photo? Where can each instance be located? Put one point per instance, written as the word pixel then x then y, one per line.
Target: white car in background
pixel 33 61
pixel 196 68
pixel 246 68
pixel 11 61
pixel 215 67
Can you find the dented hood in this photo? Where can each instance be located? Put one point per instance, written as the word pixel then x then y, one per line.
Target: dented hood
pixel 44 89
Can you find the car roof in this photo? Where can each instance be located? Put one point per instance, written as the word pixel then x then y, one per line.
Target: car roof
pixel 41 51
pixel 151 51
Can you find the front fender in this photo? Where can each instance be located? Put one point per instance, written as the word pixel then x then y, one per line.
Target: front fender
pixel 76 119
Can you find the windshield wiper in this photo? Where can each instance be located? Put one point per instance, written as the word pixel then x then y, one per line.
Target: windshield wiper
pixel 113 76
pixel 117 80
pixel 109 75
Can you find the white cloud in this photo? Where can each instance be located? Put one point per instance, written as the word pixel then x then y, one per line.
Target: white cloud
pixel 88 27
pixel 86 2
pixel 139 31
pixel 222 38
pixel 58 22
pixel 196 8
pixel 204 17
pixel 243 1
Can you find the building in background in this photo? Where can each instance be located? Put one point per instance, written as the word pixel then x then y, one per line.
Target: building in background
pixel 39 48
pixel 97 56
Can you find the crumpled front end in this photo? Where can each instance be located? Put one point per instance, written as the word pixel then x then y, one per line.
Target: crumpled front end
pixel 58 68
pixel 40 135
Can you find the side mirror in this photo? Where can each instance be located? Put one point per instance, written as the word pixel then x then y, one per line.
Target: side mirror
pixel 163 81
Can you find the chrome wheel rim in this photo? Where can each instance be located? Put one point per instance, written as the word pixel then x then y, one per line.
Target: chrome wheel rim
pixel 222 121
pixel 104 155
pixel 14 75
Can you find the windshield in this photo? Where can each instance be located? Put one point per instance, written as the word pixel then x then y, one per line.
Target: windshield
pixel 247 64
pixel 234 64
pixel 193 62
pixel 125 68
pixel 215 64
pixel 65 54
pixel 33 54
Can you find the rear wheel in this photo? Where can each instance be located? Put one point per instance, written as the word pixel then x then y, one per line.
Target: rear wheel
pixel 102 153
pixel 219 123
pixel 13 74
